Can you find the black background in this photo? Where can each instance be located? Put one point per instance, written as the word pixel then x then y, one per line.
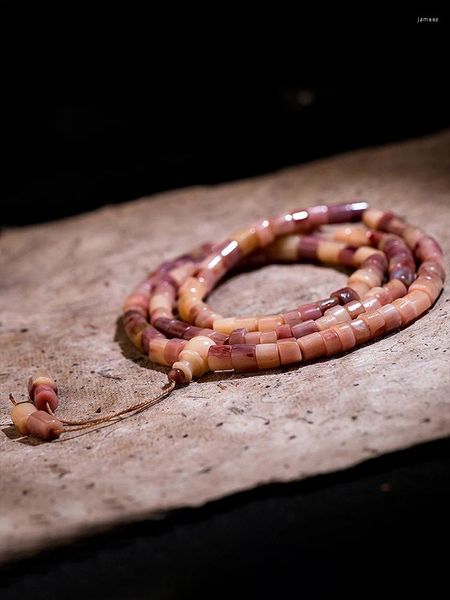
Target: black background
pixel 106 105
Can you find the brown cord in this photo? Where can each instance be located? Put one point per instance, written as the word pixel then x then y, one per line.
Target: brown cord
pixel 135 409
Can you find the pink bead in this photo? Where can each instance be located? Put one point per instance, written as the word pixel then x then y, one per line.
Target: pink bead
pixel 44 394
pixel 361 330
pixel 289 351
pixel 392 317
pixel 44 426
pixel 375 322
pixel 346 335
pixel 312 346
pixel 332 341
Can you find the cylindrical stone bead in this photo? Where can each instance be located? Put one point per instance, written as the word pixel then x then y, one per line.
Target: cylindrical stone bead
pixel 325 322
pixel 412 235
pixel 346 256
pixel 427 248
pixel 372 216
pixel 148 334
pixel 328 251
pixel 318 215
pixel 351 235
pixel 345 295
pixel 270 323
pixel 375 322
pixel 44 426
pixel 431 267
pixel 371 303
pixel 283 331
pixel 285 248
pixel 43 395
pixel 396 289
pixel 407 309
pixel 326 303
pixel 339 312
pixel 332 341
pixel 364 254
pixel 282 224
pixel 345 213
pixel 305 328
pixel 391 315
pixel 156 349
pixel 289 351
pixel 346 335
pixel 381 293
pixel 268 337
pixel 430 284
pixel 253 337
pixel 247 240
pixel 309 311
pixel 41 377
pixel 292 317
pixel 172 350
pixel 243 358
pixel 267 356
pixel 42 389
pixel 20 413
pixel 301 220
pixel 219 358
pixel 237 336
pixel 312 346
pixel 307 247
pixel 354 309
pixel 225 325
pixel 421 301
pixel 264 232
pixel 361 330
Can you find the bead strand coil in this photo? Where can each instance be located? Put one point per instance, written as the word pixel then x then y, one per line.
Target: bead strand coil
pixel 397 276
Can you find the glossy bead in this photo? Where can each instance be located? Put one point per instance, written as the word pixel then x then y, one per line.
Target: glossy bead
pixel 20 413
pixel 44 426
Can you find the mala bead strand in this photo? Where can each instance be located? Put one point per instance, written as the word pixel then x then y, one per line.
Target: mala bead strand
pixel 396 274
pixel 384 292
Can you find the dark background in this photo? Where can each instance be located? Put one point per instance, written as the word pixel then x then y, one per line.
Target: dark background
pixel 108 105
pixel 99 110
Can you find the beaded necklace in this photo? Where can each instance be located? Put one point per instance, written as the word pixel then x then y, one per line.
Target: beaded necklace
pixel 398 276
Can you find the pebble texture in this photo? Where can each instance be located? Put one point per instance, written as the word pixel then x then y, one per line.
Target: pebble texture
pixel 62 285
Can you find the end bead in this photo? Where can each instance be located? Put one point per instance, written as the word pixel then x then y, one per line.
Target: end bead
pixel 177 376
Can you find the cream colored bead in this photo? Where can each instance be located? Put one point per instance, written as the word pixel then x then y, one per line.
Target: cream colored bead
pixel 371 217
pixel 160 301
pixel 360 287
pixel 195 353
pixel 364 252
pixel 267 356
pixel 421 300
pixel 185 304
pixel 328 252
pixel 20 413
pixel 351 236
pixel 247 240
pixel 225 325
pixel 284 248
pixel 270 323
pixel 248 323
pixel 193 287
pixel 411 235
pixel 179 274
pixel 364 276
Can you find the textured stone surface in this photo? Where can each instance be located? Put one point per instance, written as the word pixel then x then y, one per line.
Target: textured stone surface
pixel 62 285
